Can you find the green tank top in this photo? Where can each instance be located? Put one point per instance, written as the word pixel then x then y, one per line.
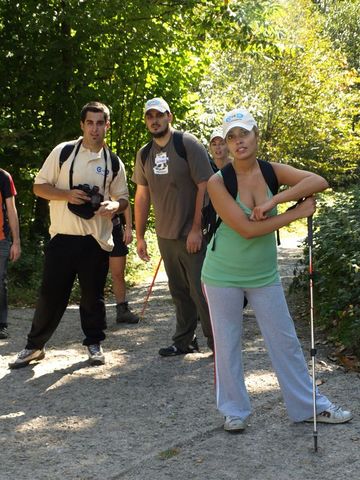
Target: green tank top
pixel 238 262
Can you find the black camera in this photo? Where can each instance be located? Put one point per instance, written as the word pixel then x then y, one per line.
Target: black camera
pixel 95 197
pixel 86 210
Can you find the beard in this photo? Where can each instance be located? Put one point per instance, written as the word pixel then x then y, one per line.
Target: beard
pixel 162 133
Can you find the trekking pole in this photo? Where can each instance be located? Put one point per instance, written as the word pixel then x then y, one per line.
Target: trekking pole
pixel 313 349
pixel 150 288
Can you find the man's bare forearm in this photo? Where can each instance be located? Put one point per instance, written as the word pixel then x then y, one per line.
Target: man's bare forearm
pixel 199 202
pixel 13 219
pixel 122 205
pixel 49 192
pixel 141 211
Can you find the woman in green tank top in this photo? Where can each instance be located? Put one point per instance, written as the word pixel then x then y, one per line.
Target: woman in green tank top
pixel 244 263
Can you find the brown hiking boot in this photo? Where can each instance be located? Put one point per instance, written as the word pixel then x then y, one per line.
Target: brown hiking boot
pixel 125 315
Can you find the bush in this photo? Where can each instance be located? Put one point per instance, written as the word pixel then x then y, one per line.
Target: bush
pixel 138 271
pixel 336 263
pixel 24 276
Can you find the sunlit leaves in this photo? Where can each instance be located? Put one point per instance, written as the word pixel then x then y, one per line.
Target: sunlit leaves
pixel 336 255
pixel 343 24
pixel 302 94
pixel 202 56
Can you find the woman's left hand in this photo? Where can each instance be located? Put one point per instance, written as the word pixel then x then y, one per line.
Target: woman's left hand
pixel 260 211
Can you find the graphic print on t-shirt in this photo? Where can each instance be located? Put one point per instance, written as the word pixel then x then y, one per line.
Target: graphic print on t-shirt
pixel 161 164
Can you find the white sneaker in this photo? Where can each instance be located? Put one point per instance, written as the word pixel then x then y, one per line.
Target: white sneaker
pixel 26 356
pixel 96 354
pixel 333 414
pixel 234 424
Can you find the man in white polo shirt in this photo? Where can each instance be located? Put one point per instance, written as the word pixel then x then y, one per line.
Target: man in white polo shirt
pixel 84 191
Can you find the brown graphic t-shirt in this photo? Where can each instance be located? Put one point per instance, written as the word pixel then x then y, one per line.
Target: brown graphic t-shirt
pixel 172 182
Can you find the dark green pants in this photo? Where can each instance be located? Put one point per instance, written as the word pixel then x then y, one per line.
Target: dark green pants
pixel 184 270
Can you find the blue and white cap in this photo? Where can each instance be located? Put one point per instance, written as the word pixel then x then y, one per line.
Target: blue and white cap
pixel 217 132
pixel 239 117
pixel 158 104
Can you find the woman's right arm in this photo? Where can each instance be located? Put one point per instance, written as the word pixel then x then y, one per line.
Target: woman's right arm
pixel 232 214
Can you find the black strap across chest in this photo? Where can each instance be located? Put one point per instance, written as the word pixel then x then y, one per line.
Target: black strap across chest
pixel 71 171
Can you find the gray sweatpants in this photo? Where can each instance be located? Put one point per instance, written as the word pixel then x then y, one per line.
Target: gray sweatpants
pixel 277 328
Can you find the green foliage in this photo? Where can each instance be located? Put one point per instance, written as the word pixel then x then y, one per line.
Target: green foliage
pixel 24 275
pixel 292 63
pixel 169 453
pixel 336 260
pixel 137 271
pixel 343 26
pixel 56 56
pixel 302 93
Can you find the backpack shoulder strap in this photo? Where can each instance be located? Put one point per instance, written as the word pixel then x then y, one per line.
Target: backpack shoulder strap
pixel 65 153
pixel 178 139
pixel 69 147
pixel 144 152
pixel 271 179
pixel 269 176
pixel 212 164
pixel 115 163
pixel 230 180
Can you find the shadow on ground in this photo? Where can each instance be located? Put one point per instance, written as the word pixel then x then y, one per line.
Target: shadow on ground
pixel 145 417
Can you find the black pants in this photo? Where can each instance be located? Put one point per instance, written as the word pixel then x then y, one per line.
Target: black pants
pixel 65 257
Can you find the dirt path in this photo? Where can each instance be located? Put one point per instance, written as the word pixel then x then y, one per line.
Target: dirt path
pixel 145 417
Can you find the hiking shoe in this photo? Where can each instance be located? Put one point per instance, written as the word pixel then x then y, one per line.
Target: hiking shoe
pixel 194 345
pixel 234 424
pixel 333 414
pixel 125 315
pixel 26 356
pixel 3 332
pixel 173 350
pixel 96 354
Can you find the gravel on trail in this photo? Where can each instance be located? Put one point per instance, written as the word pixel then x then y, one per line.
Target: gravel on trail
pixel 141 416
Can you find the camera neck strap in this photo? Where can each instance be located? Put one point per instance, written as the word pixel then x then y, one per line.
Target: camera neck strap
pixel 71 171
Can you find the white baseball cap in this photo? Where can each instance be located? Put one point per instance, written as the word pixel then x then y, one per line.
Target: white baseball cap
pixel 217 132
pixel 158 104
pixel 239 117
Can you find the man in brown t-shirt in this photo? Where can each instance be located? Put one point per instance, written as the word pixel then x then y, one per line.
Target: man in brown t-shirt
pixel 175 186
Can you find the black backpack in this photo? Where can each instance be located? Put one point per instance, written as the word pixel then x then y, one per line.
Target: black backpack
pixel 210 219
pixel 178 139
pixel 69 147
pixel 179 148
